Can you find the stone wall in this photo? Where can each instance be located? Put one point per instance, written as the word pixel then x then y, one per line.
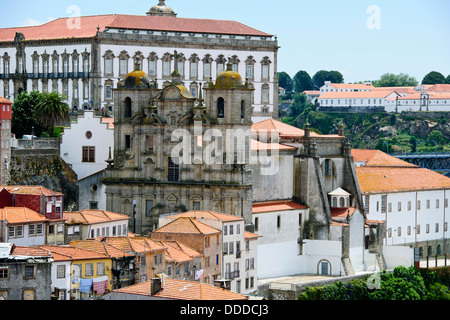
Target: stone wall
pixel 44 167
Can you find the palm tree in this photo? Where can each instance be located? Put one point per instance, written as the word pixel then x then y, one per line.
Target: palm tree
pixel 51 111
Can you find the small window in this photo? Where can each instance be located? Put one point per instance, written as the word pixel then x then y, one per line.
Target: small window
pixel 29 272
pixel 220 107
pixel 88 154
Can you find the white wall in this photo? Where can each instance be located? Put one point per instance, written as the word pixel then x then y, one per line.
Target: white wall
pixel 407 217
pixel 398 256
pixel 61 283
pixel 74 138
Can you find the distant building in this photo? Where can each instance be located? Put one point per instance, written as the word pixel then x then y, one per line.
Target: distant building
pixel 361 101
pixel 346 87
pixel 25 273
pixel 92 192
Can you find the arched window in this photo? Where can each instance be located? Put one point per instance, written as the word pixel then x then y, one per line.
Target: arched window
pixel 342 202
pixel 438 249
pixel 220 107
pixel 127 107
pixel 430 251
pixel 242 109
pixel 334 202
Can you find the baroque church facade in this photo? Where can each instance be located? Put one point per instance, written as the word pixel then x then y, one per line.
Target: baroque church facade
pixel 84 57
pixel 171 151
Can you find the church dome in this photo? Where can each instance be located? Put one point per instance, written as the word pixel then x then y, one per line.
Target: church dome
pixel 228 78
pixel 136 78
pixel 161 9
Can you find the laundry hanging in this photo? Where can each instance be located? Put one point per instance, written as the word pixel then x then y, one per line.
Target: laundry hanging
pixel 100 284
pixel 85 285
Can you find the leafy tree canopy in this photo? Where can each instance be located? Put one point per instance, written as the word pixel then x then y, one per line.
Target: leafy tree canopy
pixel 285 81
pixel 321 76
pixel 23 121
pixel 302 81
pixel 395 80
pixel 434 77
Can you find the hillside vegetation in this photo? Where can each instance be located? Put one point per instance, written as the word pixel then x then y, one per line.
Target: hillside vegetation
pixel 400 133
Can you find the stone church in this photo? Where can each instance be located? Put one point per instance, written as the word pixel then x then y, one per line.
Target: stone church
pixel 172 152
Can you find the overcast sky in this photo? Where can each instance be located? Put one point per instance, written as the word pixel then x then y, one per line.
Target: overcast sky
pixel 361 39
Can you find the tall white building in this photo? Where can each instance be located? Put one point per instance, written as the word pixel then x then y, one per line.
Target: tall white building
pixel 83 58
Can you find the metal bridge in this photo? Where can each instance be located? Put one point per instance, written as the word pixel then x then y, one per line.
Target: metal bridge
pixel 434 161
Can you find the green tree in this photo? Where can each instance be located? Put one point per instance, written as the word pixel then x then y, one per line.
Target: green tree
pixel 447 80
pixel 434 77
pixel 437 136
pixel 23 121
pixel 395 80
pixel 51 111
pixel 302 81
pixel 285 81
pixel 321 76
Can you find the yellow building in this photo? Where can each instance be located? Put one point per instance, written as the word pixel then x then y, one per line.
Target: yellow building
pixel 82 273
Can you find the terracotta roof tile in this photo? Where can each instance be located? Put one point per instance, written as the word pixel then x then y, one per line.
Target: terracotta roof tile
pixel 271 206
pixel 29 251
pixel 21 215
pixel 4 100
pixel 90 216
pixel 342 212
pixel 259 145
pixel 198 214
pixel 100 247
pixel 251 235
pixel 378 158
pixel 187 225
pixel 63 29
pixel 31 190
pixel 68 253
pixel 399 179
pixel 356 94
pixel 183 290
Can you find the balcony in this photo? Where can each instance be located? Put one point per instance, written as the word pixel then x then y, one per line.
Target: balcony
pixel 232 275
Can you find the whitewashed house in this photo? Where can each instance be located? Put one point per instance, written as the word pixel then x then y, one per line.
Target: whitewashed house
pixel 411 201
pixel 346 87
pixel 22 226
pixel 85 145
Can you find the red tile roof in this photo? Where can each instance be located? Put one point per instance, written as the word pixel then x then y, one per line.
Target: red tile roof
pixel 399 179
pixel 271 206
pixel 183 290
pixel 187 225
pixel 29 251
pixel 199 214
pixel 351 86
pixel 439 87
pixel 342 212
pixel 378 158
pixel 356 94
pixel 63 28
pixel 90 216
pixel 69 253
pixel 259 145
pixel 4 100
pixel 31 190
pixel 21 215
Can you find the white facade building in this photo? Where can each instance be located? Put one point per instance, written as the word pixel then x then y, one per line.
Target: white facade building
pixel 346 87
pixel 85 61
pixel 411 201
pixel 86 143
